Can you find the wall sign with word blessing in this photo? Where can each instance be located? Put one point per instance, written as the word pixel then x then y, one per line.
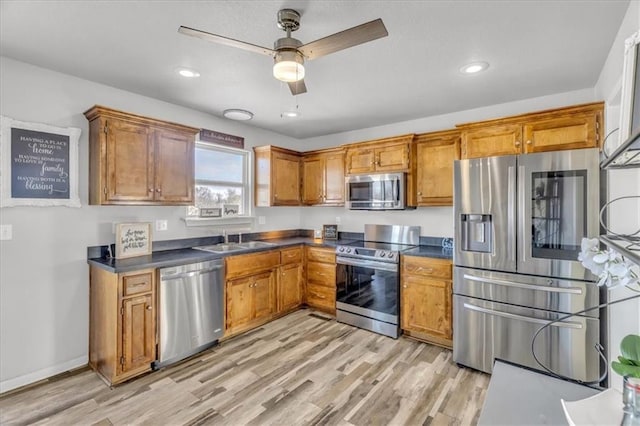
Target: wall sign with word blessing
pixel 40 164
pixel 133 239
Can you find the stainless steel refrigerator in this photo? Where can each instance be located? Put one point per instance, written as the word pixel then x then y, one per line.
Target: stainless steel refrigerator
pixel 519 221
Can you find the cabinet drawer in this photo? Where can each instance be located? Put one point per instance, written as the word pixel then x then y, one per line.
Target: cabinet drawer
pixel 426 266
pixel 246 264
pixel 136 283
pixel 321 296
pixel 291 255
pixel 316 254
pixel 322 274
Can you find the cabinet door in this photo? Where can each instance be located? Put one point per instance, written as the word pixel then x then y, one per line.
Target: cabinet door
pixel 174 157
pixel 289 287
pixel 392 158
pixel 360 160
pixel 334 179
pixel 492 141
pixel 426 306
pixel 434 182
pixel 264 294
pixel 312 180
pixel 138 332
pixel 285 179
pixel 239 307
pixel 569 132
pixel 129 162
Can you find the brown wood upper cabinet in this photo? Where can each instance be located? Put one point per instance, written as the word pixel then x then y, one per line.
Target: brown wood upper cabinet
pixel 435 154
pixel 382 155
pixel 573 127
pixel 135 160
pixel 323 178
pixel 277 176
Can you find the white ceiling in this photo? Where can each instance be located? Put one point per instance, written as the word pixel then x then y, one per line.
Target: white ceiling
pixel 534 48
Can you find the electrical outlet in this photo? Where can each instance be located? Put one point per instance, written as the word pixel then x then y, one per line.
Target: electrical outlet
pixel 161 225
pixel 6 232
pixel 337 220
pixel 262 220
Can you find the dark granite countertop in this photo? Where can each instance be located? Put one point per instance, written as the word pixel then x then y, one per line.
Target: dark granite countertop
pixel 175 257
pixel 430 251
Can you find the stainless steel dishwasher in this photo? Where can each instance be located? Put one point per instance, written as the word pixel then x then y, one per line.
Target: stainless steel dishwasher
pixel 191 309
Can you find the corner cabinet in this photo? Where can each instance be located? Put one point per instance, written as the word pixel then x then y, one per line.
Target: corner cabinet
pixel 435 154
pixel 426 299
pixel 122 336
pixel 135 160
pixel 277 177
pixel 572 127
pixel 379 156
pixel 323 178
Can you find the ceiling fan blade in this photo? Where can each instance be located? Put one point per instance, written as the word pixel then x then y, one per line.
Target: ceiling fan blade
pixel 225 40
pixel 297 87
pixel 348 38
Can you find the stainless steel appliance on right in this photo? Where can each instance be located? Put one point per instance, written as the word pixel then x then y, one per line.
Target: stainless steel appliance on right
pixel 519 222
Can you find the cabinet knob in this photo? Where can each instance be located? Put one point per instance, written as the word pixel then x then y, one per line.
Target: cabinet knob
pixel 404 286
pixel 150 189
pixel 517 143
pixel 419 193
pixel 149 308
pixel 158 190
pixel 529 142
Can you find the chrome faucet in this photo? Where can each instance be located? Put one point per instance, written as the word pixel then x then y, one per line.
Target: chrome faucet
pixel 225 236
pixel 239 237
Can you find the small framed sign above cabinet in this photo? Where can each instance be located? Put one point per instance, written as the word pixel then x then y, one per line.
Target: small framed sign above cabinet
pixel 133 239
pixel 329 232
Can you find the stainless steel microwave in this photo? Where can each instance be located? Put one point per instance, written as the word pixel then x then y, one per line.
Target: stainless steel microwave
pixel 376 191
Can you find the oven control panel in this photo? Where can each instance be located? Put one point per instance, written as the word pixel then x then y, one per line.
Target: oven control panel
pixel 368 253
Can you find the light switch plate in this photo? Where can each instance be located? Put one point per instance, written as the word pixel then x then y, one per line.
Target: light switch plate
pixel 262 220
pixel 161 225
pixel 6 232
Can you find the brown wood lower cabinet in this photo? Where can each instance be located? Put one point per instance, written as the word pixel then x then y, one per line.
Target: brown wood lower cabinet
pixel 426 299
pixel 290 287
pixel 321 279
pixel 122 337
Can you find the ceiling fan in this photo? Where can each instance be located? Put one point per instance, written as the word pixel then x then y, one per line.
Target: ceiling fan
pixel 289 53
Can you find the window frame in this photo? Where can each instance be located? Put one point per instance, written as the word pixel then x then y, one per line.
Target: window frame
pixel 247 187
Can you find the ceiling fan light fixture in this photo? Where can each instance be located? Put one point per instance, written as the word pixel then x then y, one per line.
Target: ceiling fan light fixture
pixel 237 114
pixel 288 66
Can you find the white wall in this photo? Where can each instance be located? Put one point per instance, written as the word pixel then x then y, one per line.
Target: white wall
pixel 43 270
pixel 624 216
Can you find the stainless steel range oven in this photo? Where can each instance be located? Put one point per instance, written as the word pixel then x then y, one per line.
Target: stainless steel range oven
pixel 368 278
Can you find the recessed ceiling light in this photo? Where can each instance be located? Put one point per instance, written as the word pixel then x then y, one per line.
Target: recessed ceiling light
pixel 237 114
pixel 474 67
pixel 186 72
pixel 290 114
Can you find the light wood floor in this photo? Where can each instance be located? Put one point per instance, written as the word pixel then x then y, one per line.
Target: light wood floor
pixel 300 369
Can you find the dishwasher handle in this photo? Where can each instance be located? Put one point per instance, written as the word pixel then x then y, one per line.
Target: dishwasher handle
pixel 175 276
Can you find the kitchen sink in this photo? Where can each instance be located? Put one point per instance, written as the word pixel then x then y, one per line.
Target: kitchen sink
pixel 230 247
pixel 256 244
pixel 222 248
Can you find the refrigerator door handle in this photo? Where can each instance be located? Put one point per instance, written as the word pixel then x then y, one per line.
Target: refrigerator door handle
pixel 522 235
pixel 560 324
pixel 511 212
pixel 571 290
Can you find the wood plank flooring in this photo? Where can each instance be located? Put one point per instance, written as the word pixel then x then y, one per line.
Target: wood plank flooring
pixel 302 369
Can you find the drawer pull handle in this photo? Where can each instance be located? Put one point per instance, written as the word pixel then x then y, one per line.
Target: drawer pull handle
pixel 427 270
pixel 561 324
pixel 571 290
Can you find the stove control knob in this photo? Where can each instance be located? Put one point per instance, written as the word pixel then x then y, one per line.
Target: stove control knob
pixel 382 254
pixel 341 249
pixel 348 250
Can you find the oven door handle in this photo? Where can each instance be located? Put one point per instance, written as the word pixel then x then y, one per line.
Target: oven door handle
pixel 367 264
pixel 561 324
pixel 571 290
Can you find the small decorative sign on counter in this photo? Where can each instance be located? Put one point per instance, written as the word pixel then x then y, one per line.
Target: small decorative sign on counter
pixel 330 232
pixel 133 239
pixel 41 164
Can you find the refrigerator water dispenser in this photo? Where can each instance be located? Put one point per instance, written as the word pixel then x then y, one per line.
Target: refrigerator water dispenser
pixel 476 232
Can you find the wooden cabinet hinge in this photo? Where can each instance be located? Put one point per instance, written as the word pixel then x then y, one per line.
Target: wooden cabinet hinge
pixel 104 190
pixel 122 361
pixel 106 128
pixel 122 311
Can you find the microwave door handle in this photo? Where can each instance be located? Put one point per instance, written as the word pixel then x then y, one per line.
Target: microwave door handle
pixel 396 191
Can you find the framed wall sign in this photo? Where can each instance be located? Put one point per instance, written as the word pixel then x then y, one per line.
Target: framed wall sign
pixel 210 212
pixel 133 239
pixel 330 232
pixel 39 163
pixel 630 100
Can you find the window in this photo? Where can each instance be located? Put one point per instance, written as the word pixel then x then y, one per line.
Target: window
pixel 222 180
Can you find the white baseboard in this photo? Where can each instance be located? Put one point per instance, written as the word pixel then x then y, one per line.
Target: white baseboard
pixel 27 379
